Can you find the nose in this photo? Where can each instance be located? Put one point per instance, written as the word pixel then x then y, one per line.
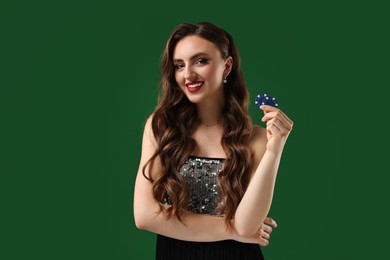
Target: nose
pixel 189 74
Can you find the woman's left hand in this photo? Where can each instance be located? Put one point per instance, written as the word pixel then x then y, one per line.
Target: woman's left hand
pixel 260 237
pixel 265 230
pixel 278 127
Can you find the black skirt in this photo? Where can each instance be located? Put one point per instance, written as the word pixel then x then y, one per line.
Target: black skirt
pixel 172 249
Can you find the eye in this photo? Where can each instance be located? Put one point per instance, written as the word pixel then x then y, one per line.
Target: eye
pixel 178 66
pixel 202 61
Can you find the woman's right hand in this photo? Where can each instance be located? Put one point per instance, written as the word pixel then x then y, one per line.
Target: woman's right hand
pixel 262 235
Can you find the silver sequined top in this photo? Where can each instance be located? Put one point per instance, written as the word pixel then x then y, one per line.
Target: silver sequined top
pixel 200 174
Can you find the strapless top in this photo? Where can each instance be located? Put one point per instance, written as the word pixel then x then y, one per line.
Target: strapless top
pixel 200 175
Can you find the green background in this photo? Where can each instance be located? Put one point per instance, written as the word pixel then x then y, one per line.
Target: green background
pixel 79 78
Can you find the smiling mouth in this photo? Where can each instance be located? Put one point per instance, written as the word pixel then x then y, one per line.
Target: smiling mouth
pixel 193 87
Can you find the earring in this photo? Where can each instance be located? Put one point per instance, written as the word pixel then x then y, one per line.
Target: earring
pixel 225 81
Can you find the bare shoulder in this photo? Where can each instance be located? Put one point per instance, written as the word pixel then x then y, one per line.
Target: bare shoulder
pixel 149 146
pixel 258 142
pixel 259 137
pixel 148 123
pixel 148 132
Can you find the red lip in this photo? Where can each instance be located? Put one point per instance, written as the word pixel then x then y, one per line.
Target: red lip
pixel 191 83
pixel 196 88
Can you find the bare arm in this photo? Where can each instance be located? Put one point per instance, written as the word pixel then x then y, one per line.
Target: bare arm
pixel 197 227
pixel 256 202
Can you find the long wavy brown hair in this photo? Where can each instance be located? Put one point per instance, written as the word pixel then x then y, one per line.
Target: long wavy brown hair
pixel 175 117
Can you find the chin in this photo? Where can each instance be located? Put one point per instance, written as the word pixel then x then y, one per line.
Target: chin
pixel 193 100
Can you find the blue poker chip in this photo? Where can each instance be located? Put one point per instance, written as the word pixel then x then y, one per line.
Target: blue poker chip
pixel 264 99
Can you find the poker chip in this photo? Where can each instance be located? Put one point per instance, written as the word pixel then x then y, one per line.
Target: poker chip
pixel 264 99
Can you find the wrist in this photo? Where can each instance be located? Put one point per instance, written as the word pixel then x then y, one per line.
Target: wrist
pixel 275 147
pixel 274 151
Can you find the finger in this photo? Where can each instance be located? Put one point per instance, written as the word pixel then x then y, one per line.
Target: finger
pixel 274 114
pixel 277 113
pixel 267 108
pixel 268 116
pixel 267 228
pixel 283 129
pixel 265 235
pixel 263 228
pixel 287 121
pixel 286 118
pixel 263 242
pixel 284 123
pixel 272 128
pixel 271 222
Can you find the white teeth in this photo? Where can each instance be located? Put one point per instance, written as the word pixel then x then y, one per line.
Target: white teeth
pixel 195 85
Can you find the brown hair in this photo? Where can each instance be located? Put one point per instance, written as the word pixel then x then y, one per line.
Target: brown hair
pixel 175 117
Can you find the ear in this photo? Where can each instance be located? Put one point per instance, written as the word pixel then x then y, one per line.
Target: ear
pixel 228 66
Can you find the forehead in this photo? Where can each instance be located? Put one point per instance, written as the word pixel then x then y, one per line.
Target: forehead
pixel 191 45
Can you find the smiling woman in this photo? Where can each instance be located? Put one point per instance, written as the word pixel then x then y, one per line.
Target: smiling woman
pixel 200 68
pixel 207 174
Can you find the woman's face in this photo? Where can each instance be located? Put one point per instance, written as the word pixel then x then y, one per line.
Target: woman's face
pixel 200 69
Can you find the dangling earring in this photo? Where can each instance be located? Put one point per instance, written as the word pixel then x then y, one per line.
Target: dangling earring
pixel 225 81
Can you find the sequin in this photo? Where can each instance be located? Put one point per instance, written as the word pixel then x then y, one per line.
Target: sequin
pixel 200 174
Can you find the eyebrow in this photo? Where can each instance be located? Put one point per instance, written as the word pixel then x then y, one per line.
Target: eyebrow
pixel 193 56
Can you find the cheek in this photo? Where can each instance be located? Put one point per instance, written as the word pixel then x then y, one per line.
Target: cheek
pixel 178 79
pixel 214 74
pixel 210 73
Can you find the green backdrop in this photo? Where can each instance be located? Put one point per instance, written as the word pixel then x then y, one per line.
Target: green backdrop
pixel 79 79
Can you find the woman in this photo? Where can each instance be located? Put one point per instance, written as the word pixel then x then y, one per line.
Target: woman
pixel 207 174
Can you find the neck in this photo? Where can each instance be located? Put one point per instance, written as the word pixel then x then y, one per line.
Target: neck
pixel 210 113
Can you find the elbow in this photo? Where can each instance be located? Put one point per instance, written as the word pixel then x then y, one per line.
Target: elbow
pixel 140 223
pixel 245 231
pixel 246 228
pixel 142 219
pixel 247 225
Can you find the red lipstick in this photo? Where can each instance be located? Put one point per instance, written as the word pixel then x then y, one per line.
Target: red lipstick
pixel 194 86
